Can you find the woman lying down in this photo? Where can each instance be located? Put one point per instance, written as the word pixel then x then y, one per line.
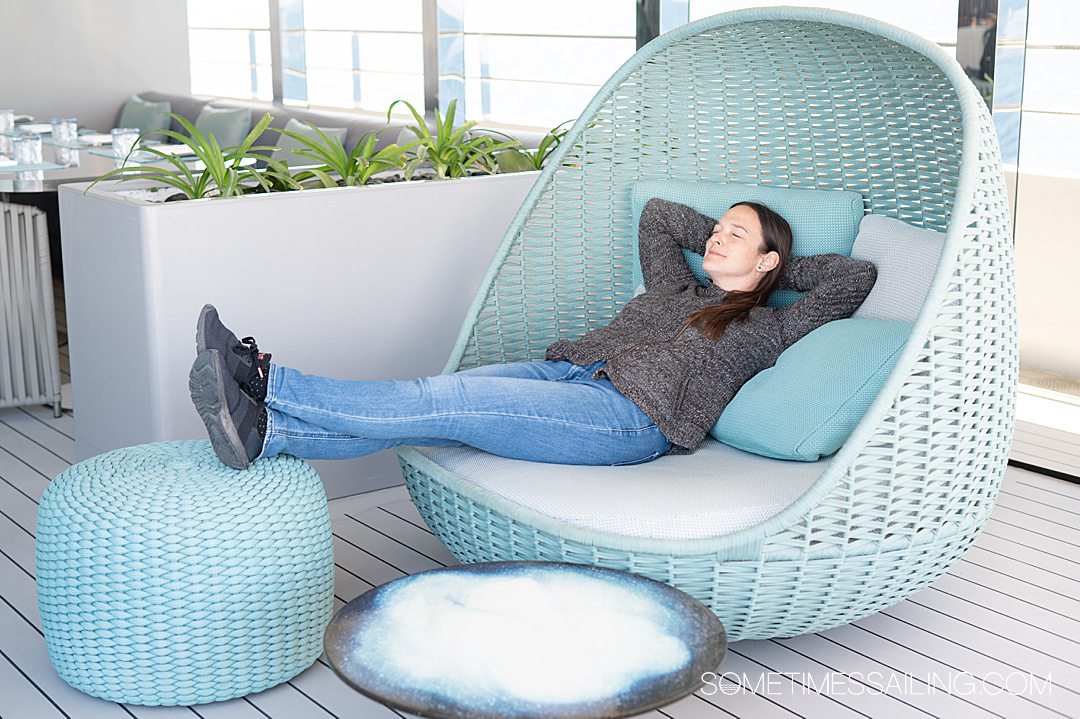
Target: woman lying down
pixel 651 382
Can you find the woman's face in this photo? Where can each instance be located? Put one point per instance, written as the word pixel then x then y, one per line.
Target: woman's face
pixel 732 253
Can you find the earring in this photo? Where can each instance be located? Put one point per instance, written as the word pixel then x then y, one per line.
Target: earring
pixel 759 267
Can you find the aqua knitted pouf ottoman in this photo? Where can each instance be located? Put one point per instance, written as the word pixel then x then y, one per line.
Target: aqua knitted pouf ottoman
pixel 166 578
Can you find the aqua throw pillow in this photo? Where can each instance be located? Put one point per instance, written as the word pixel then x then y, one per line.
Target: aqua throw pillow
pixel 806 405
pixel 287 145
pixel 822 221
pixel 229 125
pixel 147 116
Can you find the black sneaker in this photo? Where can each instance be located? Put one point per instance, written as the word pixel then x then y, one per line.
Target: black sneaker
pixel 243 360
pixel 235 421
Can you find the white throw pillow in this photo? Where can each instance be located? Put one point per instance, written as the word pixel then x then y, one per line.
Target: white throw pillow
pixel 906 258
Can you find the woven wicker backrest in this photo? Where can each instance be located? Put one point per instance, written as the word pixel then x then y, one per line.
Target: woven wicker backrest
pixel 796 98
pixel 787 103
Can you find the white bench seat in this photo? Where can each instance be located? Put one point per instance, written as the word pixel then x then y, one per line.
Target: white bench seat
pixel 715 490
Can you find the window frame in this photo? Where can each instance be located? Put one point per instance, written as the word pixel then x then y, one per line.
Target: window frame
pixel 649 14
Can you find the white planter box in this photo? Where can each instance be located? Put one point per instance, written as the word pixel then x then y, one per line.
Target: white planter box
pixel 353 283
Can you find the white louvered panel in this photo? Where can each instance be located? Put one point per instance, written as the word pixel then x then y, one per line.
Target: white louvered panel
pixel 29 358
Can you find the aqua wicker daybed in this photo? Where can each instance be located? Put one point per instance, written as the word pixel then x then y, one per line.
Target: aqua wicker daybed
pixel 788 98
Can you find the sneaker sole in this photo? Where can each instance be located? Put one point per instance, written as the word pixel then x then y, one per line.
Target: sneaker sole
pixel 200 330
pixel 208 394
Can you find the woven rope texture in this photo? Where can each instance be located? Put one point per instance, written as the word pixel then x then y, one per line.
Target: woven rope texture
pixel 166 578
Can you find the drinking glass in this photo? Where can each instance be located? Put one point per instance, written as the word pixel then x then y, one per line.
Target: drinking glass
pixel 27 149
pixel 30 181
pixel 66 156
pixel 123 139
pixel 65 131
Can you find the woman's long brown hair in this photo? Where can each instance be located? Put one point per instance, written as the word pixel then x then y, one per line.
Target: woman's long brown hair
pixel 776 237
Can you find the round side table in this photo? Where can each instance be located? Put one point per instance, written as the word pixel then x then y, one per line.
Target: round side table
pixel 508 640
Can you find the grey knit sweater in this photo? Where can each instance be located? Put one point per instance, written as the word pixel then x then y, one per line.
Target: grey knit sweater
pixel 682 380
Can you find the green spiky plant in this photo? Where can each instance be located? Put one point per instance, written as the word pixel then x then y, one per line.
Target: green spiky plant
pixel 451 150
pixel 223 174
pixel 487 161
pixel 521 160
pixel 354 168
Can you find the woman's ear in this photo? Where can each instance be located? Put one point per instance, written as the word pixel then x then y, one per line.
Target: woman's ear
pixel 769 261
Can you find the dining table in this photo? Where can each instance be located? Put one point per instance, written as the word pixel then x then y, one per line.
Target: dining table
pixel 38 187
pixel 85 160
pixel 77 162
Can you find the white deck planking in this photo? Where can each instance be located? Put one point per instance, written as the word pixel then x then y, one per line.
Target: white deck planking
pixel 1009 606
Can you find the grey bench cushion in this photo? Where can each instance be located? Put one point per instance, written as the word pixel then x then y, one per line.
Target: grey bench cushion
pixel 357 123
pixel 715 490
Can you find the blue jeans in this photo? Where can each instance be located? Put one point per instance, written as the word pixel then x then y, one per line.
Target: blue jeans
pixel 537 411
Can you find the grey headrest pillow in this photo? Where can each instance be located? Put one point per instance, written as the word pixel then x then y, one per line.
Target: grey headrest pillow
pixel 906 258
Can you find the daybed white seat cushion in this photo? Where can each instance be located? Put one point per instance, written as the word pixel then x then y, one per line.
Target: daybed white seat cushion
pixel 716 490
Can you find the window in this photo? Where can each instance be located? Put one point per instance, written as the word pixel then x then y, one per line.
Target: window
pixel 512 63
pixel 933 19
pixel 361 54
pixel 523 64
pixel 229 44
pixel 1051 99
pixel 1045 176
